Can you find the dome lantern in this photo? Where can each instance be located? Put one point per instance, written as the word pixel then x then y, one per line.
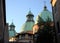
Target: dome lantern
pixel 12 26
pixel 30 16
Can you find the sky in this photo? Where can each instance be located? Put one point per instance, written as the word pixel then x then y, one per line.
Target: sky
pixel 16 10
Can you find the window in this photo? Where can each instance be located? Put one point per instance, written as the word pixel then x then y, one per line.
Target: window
pixel 22 36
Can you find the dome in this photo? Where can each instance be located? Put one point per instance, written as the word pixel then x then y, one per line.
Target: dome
pixel 44 15
pixel 28 25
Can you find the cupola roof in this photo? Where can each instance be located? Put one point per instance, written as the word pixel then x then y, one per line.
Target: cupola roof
pixel 45 14
pixel 12 25
pixel 27 26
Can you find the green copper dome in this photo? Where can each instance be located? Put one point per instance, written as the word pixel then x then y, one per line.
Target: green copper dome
pixel 44 15
pixel 27 26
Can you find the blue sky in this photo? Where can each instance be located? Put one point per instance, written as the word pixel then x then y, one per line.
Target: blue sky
pixel 16 10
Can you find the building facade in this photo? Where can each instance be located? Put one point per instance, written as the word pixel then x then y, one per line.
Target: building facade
pixel 24 38
pixel 3 24
pixel 56 17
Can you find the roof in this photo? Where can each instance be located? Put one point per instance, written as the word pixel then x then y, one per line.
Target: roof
pixel 45 14
pixel 12 25
pixel 22 34
pixel 30 14
pixel 27 26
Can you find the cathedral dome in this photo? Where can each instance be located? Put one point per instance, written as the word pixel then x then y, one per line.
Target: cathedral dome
pixel 28 25
pixel 44 15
